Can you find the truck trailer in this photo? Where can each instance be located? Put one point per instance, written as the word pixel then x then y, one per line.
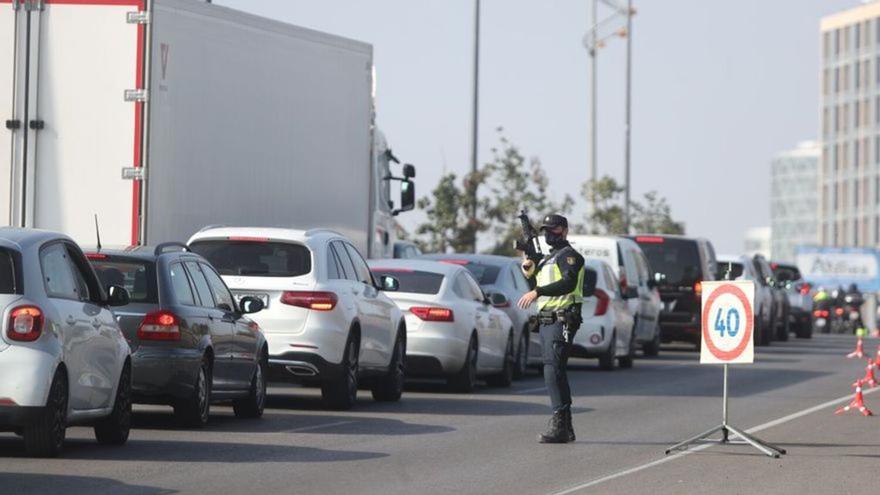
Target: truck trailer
pixel 160 117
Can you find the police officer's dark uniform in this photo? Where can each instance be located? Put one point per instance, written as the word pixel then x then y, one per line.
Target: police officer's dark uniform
pixel 558 280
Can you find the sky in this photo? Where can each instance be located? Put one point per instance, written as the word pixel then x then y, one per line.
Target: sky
pixel 719 88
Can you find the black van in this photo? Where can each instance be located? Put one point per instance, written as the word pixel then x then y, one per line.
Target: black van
pixel 680 266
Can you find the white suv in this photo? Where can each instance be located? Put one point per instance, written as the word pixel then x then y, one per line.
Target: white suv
pixel 326 320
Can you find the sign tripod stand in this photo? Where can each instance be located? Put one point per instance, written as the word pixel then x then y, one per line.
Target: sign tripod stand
pixel 743 292
pixel 726 429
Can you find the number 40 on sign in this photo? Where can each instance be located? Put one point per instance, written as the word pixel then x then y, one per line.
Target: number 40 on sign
pixel 727 322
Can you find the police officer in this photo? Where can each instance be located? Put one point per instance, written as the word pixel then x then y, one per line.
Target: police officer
pixel 557 286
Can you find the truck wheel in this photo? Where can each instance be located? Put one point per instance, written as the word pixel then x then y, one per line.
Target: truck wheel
pixel 195 411
pixel 652 348
pixel 465 380
pixel 389 388
pixel 607 360
pixel 341 393
pixel 505 377
pixel 114 429
pixel 522 356
pixel 45 436
pixel 253 405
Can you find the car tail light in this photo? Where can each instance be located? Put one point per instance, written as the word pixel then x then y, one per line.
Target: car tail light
pixel 824 314
pixel 159 325
pixel 805 289
pixel 244 238
pixel 455 262
pixel 623 283
pixel 318 301
pixel 838 311
pixel 602 301
pixel 698 288
pixel 433 314
pixel 25 324
pixel 96 256
pixel 820 313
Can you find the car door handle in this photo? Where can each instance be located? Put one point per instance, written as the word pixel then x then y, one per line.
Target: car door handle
pixel 71 320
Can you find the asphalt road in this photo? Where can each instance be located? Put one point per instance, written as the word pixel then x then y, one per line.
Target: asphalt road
pixel 438 442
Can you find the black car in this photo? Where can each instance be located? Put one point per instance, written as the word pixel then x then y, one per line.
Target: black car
pixel 800 298
pixel 680 264
pixel 191 343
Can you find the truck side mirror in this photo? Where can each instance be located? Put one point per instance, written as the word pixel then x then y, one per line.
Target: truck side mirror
pixel 590 278
pixel 407 196
pixel 409 171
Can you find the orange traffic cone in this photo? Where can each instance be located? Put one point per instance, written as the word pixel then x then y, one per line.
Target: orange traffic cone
pixel 858 403
pixel 858 353
pixel 869 375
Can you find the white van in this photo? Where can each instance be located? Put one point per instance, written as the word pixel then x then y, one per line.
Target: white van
pixel 636 282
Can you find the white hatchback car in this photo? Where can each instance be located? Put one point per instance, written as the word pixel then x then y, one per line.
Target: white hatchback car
pixel 453 329
pixel 607 330
pixel 325 319
pixel 63 358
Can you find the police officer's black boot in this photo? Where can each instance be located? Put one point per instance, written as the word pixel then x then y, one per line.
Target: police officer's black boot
pixel 566 423
pixel 556 432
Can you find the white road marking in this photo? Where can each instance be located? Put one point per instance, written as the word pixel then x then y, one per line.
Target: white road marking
pixel 770 424
pixel 530 390
pixel 320 427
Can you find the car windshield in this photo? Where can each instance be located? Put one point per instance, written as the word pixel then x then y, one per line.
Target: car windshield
pixel 256 258
pixel 7 273
pixel 412 281
pixel 485 274
pixel 677 259
pixel 735 267
pixel 786 273
pixel 138 277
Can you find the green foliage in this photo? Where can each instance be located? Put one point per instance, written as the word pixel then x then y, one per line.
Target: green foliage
pixel 448 227
pixel 652 216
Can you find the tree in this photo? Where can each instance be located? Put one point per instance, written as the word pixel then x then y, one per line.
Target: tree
pixel 653 215
pixel 514 184
pixel 448 226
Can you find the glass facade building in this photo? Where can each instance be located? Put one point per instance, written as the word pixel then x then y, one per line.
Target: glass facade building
pixel 793 200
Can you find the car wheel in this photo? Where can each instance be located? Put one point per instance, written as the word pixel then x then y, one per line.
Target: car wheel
pixel 626 362
pixel 196 410
pixel 522 356
pixel 652 348
pixel 767 333
pixel 782 335
pixel 505 378
pixel 114 429
pixel 465 380
pixel 341 393
pixel 253 405
pixel 608 359
pixel 389 388
pixel 45 436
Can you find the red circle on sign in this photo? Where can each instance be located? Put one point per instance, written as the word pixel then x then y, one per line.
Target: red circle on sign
pixel 739 294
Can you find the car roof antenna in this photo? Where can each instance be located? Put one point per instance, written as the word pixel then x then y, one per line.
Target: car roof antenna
pixel 98 232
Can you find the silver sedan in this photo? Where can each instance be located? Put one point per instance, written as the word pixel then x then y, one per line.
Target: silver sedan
pixel 63 358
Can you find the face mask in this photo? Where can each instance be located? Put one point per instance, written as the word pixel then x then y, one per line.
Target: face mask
pixel 553 239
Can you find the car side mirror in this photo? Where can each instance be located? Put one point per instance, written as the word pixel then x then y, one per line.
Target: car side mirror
pixel 499 300
pixel 409 171
pixel 250 305
pixel 630 293
pixel 590 279
pixel 117 296
pixel 389 284
pixel 651 283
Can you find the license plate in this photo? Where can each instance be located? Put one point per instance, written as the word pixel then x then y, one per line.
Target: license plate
pixel 261 297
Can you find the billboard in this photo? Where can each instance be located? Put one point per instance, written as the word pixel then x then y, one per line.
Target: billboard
pixel 831 266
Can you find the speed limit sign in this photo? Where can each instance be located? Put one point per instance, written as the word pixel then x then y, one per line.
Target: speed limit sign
pixel 728 322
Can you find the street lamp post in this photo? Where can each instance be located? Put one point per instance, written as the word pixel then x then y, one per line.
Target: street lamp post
pixel 628 154
pixel 474 124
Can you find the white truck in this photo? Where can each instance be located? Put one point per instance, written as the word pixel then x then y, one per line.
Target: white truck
pixel 163 116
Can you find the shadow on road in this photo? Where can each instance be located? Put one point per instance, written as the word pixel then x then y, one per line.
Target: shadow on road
pixel 278 422
pixel 189 452
pixel 50 484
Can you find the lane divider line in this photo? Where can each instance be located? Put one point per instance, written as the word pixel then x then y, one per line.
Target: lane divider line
pixel 319 427
pixel 755 429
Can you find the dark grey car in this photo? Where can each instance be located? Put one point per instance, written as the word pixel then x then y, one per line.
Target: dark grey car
pixel 501 276
pixel 191 343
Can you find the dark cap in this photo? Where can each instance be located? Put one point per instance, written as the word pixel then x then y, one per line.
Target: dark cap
pixel 553 220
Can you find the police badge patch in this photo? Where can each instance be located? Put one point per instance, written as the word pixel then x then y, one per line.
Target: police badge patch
pixel 569 260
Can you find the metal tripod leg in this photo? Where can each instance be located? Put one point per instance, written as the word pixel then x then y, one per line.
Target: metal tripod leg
pixel 697 439
pixel 764 447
